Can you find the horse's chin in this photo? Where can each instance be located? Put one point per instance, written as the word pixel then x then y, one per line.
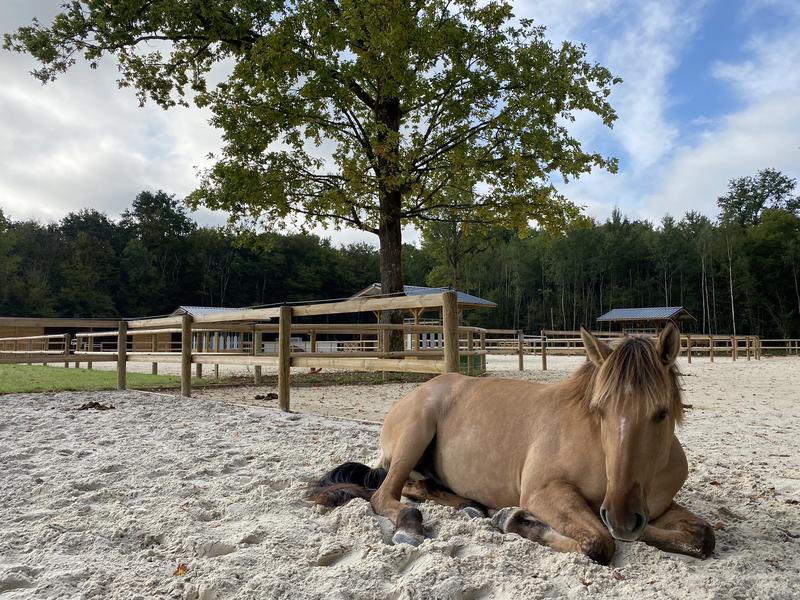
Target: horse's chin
pixel 626 537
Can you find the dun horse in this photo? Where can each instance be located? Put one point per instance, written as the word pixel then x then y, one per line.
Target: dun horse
pixel 587 460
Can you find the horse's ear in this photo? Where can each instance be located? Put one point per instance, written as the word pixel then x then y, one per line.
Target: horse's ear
pixel 669 344
pixel 596 350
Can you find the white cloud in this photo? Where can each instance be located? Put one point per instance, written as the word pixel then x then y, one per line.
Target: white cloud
pixel 767 134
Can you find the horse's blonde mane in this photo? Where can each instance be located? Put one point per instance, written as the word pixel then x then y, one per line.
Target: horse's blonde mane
pixel 631 379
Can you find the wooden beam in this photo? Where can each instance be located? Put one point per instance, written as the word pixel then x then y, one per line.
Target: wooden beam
pixel 236 359
pixel 400 365
pixel 57 322
pixel 122 355
pixel 284 356
pixel 246 314
pixel 369 305
pixel 155 322
pixel 52 358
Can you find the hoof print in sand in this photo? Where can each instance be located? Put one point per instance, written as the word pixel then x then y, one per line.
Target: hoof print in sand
pixel 213 549
pixel 335 555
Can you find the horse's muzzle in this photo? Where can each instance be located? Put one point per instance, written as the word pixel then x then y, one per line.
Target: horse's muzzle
pixel 628 528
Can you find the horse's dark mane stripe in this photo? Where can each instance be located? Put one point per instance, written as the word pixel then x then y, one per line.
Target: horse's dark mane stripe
pixel 631 373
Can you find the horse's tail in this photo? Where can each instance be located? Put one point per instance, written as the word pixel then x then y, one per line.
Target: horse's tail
pixel 345 482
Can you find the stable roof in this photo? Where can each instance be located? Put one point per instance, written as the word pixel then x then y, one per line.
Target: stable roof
pixel 655 313
pixel 464 300
pixel 197 311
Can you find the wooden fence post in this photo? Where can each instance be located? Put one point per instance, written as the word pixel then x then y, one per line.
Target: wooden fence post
pixel 521 348
pixel 544 352
pixel 313 342
pixel 89 349
pixel 483 349
pixel 154 348
pixel 30 349
pixel 256 352
pixel 711 342
pixel 122 356
pixel 216 350
pixel 284 356
pixel 450 331
pixel 689 348
pixel 470 349
pixel 186 356
pixel 200 347
pixel 734 347
pixel 66 350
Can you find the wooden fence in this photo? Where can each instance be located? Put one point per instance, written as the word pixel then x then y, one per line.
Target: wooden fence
pixel 747 346
pixel 202 340
pixel 199 340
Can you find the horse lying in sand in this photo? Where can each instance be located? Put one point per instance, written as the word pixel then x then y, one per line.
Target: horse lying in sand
pixel 589 460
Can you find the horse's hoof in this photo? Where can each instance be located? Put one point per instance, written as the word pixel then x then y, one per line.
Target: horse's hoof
pixel 407 538
pixel 503 517
pixel 473 512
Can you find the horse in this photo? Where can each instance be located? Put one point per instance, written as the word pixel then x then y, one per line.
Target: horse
pixel 573 465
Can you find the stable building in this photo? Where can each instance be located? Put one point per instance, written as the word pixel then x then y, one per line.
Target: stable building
pixel 649 320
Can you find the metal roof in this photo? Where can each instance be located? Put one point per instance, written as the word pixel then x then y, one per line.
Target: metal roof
pixel 656 313
pixel 417 290
pixel 197 311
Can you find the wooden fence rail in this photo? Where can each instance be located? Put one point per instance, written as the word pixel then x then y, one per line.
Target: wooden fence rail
pixel 201 340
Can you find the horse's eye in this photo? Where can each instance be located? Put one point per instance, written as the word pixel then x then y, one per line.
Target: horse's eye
pixel 661 415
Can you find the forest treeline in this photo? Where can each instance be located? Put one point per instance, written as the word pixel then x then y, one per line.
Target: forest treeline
pixel 738 271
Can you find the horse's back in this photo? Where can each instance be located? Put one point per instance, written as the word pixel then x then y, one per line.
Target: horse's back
pixel 484 429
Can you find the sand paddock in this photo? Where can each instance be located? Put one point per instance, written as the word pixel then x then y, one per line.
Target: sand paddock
pixel 108 504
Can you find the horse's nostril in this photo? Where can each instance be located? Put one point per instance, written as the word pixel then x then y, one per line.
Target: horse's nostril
pixel 604 516
pixel 640 522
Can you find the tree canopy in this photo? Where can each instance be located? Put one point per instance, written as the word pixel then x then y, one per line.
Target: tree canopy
pixel 352 112
pixel 89 265
pixel 748 197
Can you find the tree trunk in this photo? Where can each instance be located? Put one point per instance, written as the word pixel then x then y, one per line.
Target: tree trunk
pixel 391 239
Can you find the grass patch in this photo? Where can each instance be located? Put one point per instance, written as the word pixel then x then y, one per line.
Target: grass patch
pixel 36 378
pixel 329 378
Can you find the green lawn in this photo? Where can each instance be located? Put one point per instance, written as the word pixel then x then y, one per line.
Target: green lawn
pixel 24 378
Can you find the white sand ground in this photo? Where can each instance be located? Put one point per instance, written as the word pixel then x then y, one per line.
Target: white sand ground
pixel 108 504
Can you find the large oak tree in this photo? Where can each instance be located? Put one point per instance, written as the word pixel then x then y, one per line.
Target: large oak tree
pixel 354 112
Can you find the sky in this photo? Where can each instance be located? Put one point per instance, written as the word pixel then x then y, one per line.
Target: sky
pixel 711 92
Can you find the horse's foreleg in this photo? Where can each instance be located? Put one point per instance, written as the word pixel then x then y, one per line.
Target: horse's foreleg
pixel 405 452
pixel 680 530
pixel 559 517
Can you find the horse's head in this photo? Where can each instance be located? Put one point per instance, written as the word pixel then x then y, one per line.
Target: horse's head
pixel 636 397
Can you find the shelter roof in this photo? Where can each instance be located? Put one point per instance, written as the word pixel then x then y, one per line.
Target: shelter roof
pixel 196 311
pixel 464 299
pixel 655 313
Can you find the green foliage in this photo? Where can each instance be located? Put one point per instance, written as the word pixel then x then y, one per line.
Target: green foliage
pixel 748 197
pixel 355 113
pixel 88 265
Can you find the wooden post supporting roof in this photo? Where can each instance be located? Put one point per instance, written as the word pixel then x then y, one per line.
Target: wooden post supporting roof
pixel 450 326
pixel 122 355
pixel 284 356
pixel 256 351
pixel 544 351
pixel 186 355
